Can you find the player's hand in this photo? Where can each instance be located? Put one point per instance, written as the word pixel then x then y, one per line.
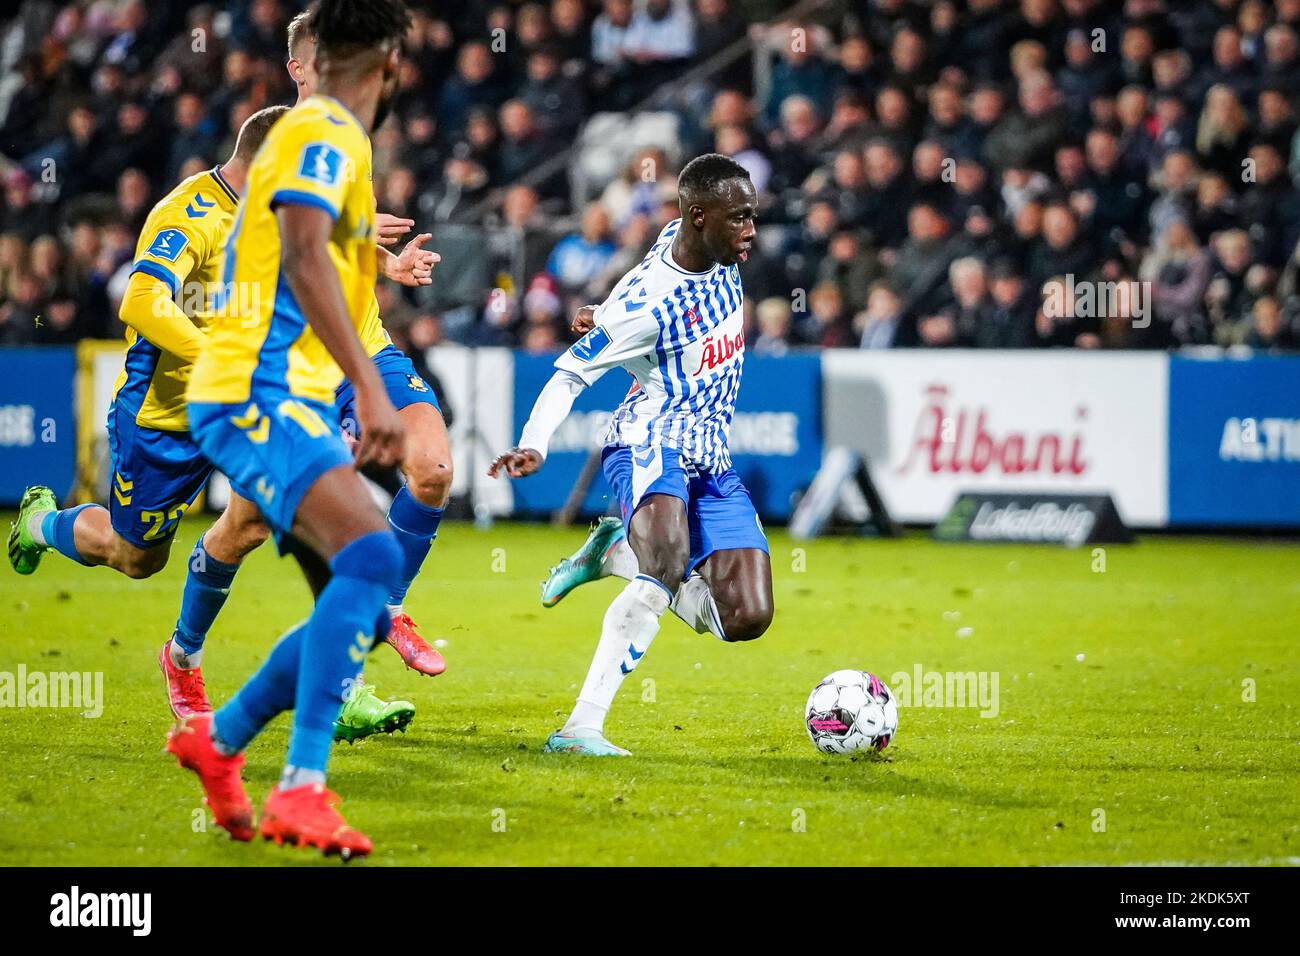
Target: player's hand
pixel 388 229
pixel 414 266
pixel 584 320
pixel 517 463
pixel 383 439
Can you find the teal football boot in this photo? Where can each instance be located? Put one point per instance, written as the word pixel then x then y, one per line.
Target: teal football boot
pixel 585 563
pixel 587 743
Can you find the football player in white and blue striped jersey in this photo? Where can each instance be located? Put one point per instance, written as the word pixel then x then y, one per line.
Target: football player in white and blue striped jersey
pixel 689 539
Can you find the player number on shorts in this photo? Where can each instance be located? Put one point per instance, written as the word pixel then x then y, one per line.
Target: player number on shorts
pixel 161 523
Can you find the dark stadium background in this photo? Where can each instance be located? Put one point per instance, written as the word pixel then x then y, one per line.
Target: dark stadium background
pixel 907 137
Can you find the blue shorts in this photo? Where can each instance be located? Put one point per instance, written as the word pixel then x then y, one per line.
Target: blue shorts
pixel 403 384
pixel 156 477
pixel 273 448
pixel 719 510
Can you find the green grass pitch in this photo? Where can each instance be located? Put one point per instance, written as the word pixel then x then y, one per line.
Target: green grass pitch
pixel 1173 739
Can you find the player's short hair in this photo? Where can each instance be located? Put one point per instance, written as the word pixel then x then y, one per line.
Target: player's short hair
pixel 704 175
pixel 301 29
pixel 345 28
pixel 254 131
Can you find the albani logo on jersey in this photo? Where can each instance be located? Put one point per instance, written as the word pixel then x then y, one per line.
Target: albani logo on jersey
pixel 719 349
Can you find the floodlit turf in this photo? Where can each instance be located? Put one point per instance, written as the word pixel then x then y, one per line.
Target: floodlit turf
pixel 1143 751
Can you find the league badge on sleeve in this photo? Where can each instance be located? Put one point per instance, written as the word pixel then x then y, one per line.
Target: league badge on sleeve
pixel 321 163
pixel 168 244
pixel 590 345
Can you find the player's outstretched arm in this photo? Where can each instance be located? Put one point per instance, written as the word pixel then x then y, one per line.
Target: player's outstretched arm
pixel 549 411
pixel 307 267
pixel 148 307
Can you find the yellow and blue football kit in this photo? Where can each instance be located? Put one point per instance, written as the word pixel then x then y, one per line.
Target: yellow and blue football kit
pixel 261 397
pixel 158 471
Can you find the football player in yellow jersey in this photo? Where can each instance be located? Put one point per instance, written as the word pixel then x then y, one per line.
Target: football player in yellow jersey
pixel 417 509
pixel 299 269
pixel 158 471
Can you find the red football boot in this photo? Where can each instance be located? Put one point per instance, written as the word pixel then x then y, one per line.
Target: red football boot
pixel 186 695
pixel 308 816
pixel 190 740
pixel 414 650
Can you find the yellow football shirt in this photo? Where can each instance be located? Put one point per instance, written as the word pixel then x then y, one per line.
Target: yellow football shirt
pixel 181 244
pixel 316 155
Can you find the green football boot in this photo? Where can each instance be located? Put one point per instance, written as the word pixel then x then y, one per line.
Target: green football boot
pixel 584 564
pixel 24 552
pixel 364 714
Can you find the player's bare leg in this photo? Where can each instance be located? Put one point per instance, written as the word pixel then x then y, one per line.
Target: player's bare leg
pixel 737 583
pixel 84 534
pixel 659 535
pixel 237 532
pixel 427 467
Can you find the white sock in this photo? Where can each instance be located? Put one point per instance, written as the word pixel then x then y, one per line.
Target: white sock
pixel 35 521
pixel 182 660
pixel 394 609
pixel 694 604
pixel 620 560
pixel 631 623
pixel 298 776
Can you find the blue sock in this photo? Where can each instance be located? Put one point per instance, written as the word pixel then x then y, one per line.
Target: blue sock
pixel 206 586
pixel 264 695
pixel 339 634
pixel 416 526
pixel 56 529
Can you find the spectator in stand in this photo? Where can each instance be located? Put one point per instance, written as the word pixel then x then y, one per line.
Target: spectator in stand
pixel 474 85
pixel 1270 205
pixel 774 336
pixel 1178 272
pixel 580 256
pixel 1223 132
pixel 1027 137
pixel 971 306
pixel 735 141
pixel 799 72
pixel 1229 294
pixel 556 101
pixel 889 195
pixel 882 321
pixel 1264 330
pixel 827 324
pixel 1009 322
pixel 920 267
pixel 1062 250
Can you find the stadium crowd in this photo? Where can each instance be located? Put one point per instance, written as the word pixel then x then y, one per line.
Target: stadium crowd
pixel 989 173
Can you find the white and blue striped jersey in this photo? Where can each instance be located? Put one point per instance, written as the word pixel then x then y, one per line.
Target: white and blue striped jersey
pixel 681 335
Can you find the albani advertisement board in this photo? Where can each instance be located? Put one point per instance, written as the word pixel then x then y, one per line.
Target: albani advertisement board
pixel 935 424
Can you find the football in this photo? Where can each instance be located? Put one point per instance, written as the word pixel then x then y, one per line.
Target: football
pixel 851 710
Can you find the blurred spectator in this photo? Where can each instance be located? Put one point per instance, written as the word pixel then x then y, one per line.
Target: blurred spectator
pixel 579 257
